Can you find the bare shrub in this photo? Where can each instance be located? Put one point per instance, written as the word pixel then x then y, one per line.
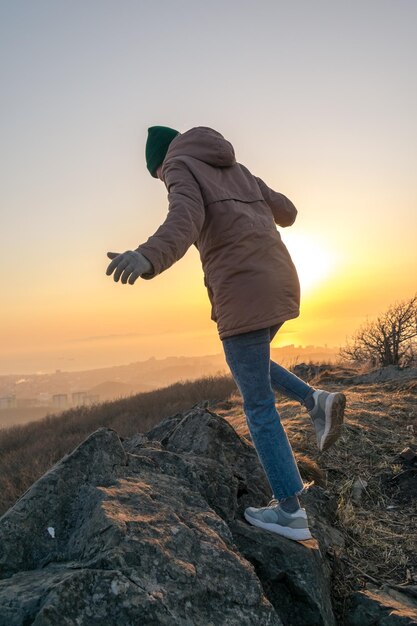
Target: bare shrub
pixel 389 340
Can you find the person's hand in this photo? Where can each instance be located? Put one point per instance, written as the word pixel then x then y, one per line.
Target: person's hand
pixel 129 265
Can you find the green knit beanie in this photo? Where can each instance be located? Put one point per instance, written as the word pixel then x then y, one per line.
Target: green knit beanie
pixel 157 144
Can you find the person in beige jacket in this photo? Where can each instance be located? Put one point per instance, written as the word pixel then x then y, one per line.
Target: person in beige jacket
pixel 231 217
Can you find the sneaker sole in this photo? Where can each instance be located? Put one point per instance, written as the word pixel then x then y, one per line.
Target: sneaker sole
pixel 297 534
pixel 334 412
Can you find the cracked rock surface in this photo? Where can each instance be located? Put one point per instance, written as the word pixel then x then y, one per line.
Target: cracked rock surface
pixel 150 530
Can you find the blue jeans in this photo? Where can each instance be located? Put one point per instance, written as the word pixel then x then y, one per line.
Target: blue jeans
pixel 256 376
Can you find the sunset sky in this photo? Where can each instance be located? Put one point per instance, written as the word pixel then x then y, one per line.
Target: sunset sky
pixel 318 98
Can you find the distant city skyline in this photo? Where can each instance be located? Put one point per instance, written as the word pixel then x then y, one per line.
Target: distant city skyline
pixel 26 397
pixel 286 349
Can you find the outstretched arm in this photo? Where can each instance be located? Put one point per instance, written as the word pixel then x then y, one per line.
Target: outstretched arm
pixel 183 223
pixel 282 208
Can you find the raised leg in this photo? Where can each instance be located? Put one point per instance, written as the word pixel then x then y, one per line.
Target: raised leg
pixel 289 384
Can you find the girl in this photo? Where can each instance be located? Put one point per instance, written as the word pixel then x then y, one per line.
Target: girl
pixel 230 215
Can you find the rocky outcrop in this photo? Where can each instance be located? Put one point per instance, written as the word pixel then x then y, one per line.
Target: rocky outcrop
pixel 150 530
pixel 347 375
pixel 384 374
pixel 383 607
pixel 308 371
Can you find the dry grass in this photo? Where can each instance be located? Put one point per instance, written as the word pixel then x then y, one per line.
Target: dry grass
pixel 379 529
pixel 380 532
pixel 27 451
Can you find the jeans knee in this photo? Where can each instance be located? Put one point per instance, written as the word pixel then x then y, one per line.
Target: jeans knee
pixel 261 414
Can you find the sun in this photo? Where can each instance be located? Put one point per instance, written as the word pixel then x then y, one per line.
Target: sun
pixel 314 260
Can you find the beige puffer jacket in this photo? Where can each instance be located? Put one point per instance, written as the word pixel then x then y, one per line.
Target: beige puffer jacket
pixel 230 215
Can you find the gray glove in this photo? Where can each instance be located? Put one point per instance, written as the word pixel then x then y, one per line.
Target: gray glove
pixel 131 263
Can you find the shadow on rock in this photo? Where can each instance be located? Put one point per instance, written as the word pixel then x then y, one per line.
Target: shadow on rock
pixel 150 530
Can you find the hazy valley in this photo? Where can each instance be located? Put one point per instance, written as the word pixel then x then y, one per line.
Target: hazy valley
pixel 27 397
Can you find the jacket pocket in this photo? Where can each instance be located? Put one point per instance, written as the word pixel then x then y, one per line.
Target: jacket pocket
pixel 213 315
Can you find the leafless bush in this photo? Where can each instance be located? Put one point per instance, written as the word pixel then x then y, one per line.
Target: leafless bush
pixel 389 340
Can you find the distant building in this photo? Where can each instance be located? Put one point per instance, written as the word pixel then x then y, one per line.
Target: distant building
pixel 60 400
pixel 78 398
pixel 8 402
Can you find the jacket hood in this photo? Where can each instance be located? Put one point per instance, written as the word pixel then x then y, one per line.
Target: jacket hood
pixel 204 144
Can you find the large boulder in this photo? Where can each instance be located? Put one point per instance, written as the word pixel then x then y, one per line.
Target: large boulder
pixel 383 607
pixel 385 374
pixel 150 530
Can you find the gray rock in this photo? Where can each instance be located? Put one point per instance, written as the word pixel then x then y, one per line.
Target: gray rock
pixel 382 607
pixel 307 371
pixel 292 575
pixel 59 500
pixel 384 374
pixel 321 508
pixel 161 431
pixel 152 532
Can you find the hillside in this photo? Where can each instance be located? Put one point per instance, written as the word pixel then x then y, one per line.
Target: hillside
pixel 370 476
pixel 27 397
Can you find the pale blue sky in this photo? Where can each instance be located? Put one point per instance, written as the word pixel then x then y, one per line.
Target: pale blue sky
pixel 319 99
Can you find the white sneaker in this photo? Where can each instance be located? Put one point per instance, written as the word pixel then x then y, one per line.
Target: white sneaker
pixel 327 416
pixel 274 518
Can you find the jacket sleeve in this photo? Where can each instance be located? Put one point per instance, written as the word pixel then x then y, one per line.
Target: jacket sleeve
pixel 183 223
pixel 282 208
